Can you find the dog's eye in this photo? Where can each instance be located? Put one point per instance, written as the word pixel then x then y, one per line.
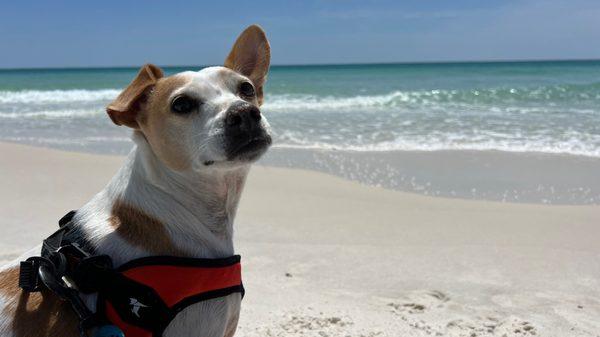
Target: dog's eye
pixel 247 89
pixel 183 104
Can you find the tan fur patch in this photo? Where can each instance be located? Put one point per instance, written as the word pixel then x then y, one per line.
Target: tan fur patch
pixel 142 230
pixel 160 126
pixel 35 314
pixel 161 92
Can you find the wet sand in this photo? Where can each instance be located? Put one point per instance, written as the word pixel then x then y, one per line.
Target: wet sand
pixel 478 175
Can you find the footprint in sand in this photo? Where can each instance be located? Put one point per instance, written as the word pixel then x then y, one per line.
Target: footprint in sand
pixel 312 323
pixel 513 326
pixel 419 302
pixel 490 327
pixel 417 308
pixel 321 324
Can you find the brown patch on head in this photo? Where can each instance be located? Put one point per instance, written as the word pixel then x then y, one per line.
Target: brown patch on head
pixel 158 101
pixel 145 105
pixel 40 314
pixel 161 127
pixel 142 230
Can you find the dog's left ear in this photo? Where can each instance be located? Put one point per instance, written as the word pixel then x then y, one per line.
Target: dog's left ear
pixel 124 109
pixel 251 56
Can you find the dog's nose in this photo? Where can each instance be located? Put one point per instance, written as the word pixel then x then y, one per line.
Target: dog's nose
pixel 246 138
pixel 243 116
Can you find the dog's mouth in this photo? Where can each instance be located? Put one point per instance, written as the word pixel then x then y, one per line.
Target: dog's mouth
pixel 251 149
pixel 243 149
pixel 248 149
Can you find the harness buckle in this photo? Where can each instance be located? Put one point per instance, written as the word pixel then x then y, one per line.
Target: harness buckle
pixel 29 279
pixel 74 250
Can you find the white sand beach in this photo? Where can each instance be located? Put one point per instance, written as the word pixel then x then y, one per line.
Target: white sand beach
pixel 327 257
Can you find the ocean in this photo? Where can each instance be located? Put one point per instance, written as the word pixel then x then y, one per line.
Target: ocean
pixel 375 111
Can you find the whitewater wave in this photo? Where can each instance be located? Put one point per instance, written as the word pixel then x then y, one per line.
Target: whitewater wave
pixel 291 102
pixel 490 97
pixel 51 114
pixel 575 148
pixel 283 102
pixel 57 96
pixel 481 120
pixel 570 142
pixel 497 98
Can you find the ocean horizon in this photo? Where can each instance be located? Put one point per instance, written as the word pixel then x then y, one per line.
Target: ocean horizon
pixel 434 62
pixel 359 120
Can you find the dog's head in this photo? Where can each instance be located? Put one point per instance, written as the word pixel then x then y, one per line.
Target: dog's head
pixel 209 118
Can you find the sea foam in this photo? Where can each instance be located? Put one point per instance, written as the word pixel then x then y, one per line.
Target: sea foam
pixel 57 96
pixel 560 119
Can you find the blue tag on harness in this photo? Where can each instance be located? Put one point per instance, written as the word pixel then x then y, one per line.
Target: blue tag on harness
pixel 109 331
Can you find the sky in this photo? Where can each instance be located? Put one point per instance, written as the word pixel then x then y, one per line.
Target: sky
pixel 129 33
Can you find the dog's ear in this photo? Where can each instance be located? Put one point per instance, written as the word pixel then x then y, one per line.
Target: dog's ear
pixel 124 109
pixel 251 56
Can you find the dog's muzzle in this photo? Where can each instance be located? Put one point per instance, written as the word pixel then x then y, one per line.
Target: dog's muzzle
pixel 245 134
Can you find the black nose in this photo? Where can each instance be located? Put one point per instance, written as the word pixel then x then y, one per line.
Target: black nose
pixel 243 116
pixel 246 139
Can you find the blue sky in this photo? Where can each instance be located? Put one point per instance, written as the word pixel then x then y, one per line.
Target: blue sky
pixel 121 33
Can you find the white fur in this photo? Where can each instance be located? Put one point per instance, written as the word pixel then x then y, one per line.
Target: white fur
pixel 142 183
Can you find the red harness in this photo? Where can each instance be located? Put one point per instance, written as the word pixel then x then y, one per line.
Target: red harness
pixel 155 289
pixel 141 297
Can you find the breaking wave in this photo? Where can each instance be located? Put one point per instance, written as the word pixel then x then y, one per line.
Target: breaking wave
pixel 57 96
pixel 535 119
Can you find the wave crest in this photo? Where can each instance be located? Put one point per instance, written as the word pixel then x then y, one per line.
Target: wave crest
pixel 482 98
pixel 393 99
pixel 575 147
pixel 57 96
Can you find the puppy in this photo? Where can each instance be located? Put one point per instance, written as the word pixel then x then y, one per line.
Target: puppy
pixel 196 134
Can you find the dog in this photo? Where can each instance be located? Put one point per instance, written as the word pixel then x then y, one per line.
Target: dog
pixel 196 135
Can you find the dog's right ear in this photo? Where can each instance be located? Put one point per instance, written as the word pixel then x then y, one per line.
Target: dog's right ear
pixel 124 109
pixel 251 56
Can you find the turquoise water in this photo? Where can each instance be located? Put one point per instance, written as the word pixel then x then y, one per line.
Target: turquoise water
pixel 550 107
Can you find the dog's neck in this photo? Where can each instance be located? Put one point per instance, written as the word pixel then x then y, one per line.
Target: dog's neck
pixel 196 208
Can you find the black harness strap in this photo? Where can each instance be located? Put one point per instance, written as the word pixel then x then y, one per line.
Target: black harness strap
pixel 52 268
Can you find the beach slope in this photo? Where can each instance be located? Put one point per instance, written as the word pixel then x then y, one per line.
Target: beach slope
pixel 328 257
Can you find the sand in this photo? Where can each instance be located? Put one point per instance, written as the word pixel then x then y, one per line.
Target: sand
pixel 328 257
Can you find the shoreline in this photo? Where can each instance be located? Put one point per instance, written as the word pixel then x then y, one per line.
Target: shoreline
pixel 536 178
pixel 326 256
pixel 491 175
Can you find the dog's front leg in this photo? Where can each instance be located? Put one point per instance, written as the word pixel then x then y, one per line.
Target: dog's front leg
pixel 212 318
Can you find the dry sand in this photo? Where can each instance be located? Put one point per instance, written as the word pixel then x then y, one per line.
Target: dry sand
pixel 328 257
